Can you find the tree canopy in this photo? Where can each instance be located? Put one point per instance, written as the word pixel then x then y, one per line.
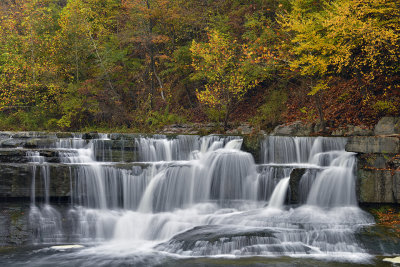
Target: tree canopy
pixel 141 64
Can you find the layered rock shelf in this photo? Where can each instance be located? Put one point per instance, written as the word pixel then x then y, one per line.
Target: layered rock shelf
pixel 378 167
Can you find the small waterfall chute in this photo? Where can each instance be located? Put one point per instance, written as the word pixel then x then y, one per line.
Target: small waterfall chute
pixel 279 195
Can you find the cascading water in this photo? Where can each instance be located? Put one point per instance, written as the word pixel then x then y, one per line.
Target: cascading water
pixel 44 219
pixel 204 196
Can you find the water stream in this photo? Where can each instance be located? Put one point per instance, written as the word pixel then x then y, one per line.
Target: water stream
pixel 194 197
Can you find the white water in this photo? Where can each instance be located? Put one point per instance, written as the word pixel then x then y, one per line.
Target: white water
pixel 203 196
pixel 278 196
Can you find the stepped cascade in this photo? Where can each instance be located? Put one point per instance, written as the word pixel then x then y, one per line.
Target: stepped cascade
pixel 197 196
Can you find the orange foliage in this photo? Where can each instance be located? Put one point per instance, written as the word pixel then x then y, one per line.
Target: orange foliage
pixel 389 218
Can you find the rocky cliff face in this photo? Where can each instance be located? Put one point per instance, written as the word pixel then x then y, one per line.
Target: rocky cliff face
pixel 378 167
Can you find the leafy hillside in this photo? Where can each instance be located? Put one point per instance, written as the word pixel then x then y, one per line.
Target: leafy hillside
pixel 136 65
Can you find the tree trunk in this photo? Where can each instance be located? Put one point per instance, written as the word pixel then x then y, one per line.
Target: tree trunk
pixel 152 62
pixel 226 119
pixel 320 111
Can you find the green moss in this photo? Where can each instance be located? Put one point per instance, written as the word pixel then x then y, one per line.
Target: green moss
pixel 6 249
pixel 251 144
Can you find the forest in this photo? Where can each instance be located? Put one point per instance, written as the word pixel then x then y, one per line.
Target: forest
pixel 137 65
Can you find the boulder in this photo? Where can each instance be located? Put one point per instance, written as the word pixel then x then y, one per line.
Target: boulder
pixel 245 129
pixel 387 126
pixel 90 136
pixel 297 128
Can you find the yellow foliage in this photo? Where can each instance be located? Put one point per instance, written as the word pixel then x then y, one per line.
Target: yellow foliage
pixel 356 37
pixel 220 63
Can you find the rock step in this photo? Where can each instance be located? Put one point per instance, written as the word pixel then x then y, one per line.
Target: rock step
pixel 374 144
pixel 16 178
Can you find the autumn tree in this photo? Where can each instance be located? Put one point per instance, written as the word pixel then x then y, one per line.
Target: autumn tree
pixel 28 81
pixel 87 53
pixel 348 38
pixel 143 30
pixel 219 62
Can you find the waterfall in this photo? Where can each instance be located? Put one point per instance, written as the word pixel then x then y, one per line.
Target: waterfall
pixel 279 194
pixel 334 182
pixel 335 186
pixel 44 219
pixel 201 196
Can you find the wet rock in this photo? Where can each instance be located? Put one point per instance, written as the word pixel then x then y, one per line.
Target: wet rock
pixel 40 143
pixel 10 155
pixel 14 225
pixel 116 136
pixel 16 180
pixel 4 135
pixel 124 144
pixel 373 144
pixel 120 155
pixel 376 161
pixel 13 156
pixel 251 144
pixel 64 135
pixel 387 126
pixel 12 142
pixel 22 135
pixel 90 136
pixel 379 186
pixel 294 181
pixel 27 135
pixel 375 234
pixel 214 239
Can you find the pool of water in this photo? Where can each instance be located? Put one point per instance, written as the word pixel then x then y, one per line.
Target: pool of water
pixel 98 256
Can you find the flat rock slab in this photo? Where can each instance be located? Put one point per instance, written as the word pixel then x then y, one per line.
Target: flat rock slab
pixel 373 144
pixel 392 260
